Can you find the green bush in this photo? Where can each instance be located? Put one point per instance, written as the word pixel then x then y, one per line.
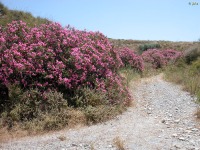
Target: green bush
pixel 89 97
pixel 48 122
pixel 145 47
pixel 192 54
pixel 32 104
pixel 101 113
pixel 187 75
pixel 196 66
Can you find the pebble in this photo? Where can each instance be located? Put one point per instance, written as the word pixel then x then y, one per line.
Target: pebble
pixel 163 121
pixel 195 129
pixel 170 115
pixel 178 146
pixel 174 135
pixel 181 138
pixel 177 121
pixel 74 145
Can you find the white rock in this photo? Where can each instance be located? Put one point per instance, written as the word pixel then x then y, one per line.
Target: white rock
pixel 170 115
pixel 195 129
pixel 181 138
pixel 177 121
pixel 174 135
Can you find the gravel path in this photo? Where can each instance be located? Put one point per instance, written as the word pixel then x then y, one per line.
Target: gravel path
pixel 162 118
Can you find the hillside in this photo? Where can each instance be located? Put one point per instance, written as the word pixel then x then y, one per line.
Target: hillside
pixel 54 78
pixel 135 44
pixel 6 16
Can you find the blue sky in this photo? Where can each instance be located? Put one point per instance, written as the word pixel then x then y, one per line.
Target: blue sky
pixel 172 20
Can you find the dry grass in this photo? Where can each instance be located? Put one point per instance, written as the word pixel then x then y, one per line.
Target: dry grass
pixel 92 146
pixel 129 75
pixel 62 138
pixel 198 113
pixel 15 133
pixel 77 117
pixel 185 77
pixel 119 143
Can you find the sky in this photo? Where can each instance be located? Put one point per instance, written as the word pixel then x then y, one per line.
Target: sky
pixel 169 20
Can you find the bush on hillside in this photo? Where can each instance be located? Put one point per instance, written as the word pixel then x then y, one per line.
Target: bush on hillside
pixel 50 57
pixel 159 58
pixel 130 58
pixel 192 54
pixel 80 67
pixel 196 66
pixel 145 47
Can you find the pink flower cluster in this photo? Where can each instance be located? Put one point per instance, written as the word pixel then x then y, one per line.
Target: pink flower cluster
pixel 49 56
pixel 130 58
pixel 159 58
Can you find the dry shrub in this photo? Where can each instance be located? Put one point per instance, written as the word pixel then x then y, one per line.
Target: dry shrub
pixel 198 113
pixel 119 143
pixel 62 138
pixel 101 113
pixel 76 117
pixel 192 54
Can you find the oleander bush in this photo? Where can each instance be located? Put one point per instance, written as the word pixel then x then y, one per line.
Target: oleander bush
pixel 130 58
pixel 160 58
pixel 52 57
pixel 49 73
pixel 47 65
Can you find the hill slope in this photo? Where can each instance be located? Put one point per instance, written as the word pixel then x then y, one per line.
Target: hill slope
pixel 6 16
pixel 135 44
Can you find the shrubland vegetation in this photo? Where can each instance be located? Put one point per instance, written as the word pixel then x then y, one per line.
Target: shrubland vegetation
pixel 187 71
pixel 145 47
pixel 136 44
pixel 52 77
pixel 47 71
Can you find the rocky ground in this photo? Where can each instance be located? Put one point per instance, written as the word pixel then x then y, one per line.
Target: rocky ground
pixel 162 118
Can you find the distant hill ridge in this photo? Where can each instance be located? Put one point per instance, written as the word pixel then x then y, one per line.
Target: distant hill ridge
pixel 135 44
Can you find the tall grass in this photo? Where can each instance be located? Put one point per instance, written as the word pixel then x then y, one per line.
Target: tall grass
pixel 186 75
pixel 129 74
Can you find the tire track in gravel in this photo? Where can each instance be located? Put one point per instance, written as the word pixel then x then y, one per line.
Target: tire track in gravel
pixel 162 118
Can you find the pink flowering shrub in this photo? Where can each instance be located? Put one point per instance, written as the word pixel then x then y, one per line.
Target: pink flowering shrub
pixel 129 58
pixel 49 56
pixel 159 58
